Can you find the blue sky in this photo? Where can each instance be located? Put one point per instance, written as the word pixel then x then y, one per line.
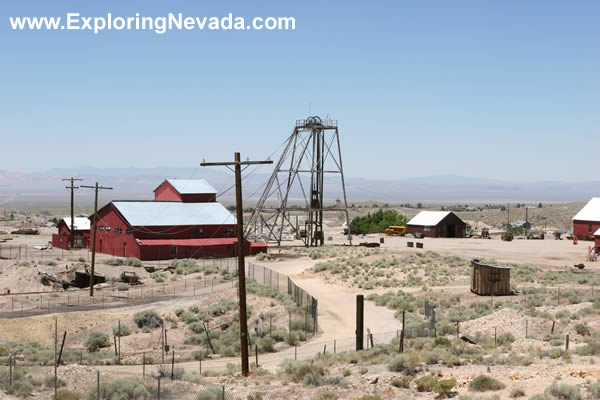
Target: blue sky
pixel 505 89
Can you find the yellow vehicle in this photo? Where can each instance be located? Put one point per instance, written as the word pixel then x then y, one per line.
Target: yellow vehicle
pixel 394 230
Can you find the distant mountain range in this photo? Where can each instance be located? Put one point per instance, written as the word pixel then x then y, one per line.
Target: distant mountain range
pixel 138 183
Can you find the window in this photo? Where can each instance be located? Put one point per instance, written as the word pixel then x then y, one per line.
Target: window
pixel 426 228
pixel 162 232
pixel 590 228
pixel 128 231
pixel 229 231
pixel 100 228
pixel 198 231
pixel 107 228
pixel 174 250
pixel 118 230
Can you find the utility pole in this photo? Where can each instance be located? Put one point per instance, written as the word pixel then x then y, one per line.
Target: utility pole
pixel 239 208
pixel 72 187
pixel 96 188
pixel 508 218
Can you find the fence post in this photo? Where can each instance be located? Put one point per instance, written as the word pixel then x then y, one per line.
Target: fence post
pixel 10 374
pixel 458 330
pixel 402 332
pixel 295 352
pixel 567 342
pixel 334 346
pixel 200 366
pixel 256 354
pixel 158 378
pixel 526 328
pixel 173 365
pixel 98 385
pixel 495 341
pixel 144 365
pixel 359 321
pixel 223 393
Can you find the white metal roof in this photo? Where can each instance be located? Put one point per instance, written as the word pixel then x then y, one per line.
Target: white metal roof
pixel 171 213
pixel 428 218
pixel 597 233
pixel 192 186
pixel 81 223
pixel 590 212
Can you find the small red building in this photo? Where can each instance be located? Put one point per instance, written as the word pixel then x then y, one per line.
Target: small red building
pixel 587 221
pixel 81 233
pixel 437 224
pixel 186 191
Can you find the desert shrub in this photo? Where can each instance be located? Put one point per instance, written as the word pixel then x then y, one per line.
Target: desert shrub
pixel 133 262
pixel 594 389
pixel 582 329
pixel 398 364
pixel 115 262
pixel 261 256
pixel 65 394
pixel 266 344
pixel 369 397
pixel 562 391
pixel 122 287
pixel 505 338
pixel 302 371
pixel 158 276
pixel 426 383
pixel 591 347
pixel 516 393
pixel 124 330
pixel 403 382
pixel 212 393
pixel 120 389
pixel 485 383
pixel 185 266
pixel 196 327
pixel 23 383
pixel 444 387
pixel 97 340
pixel 147 319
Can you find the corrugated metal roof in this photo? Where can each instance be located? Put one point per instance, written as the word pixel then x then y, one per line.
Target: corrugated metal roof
pixel 590 212
pixel 428 218
pixel 173 213
pixel 597 233
pixel 189 242
pixel 81 223
pixel 192 186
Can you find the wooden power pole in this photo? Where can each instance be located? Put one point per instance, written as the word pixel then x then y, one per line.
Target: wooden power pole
pixel 240 249
pixel 96 188
pixel 72 187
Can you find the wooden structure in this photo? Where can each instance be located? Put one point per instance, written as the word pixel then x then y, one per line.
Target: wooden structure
pixel 443 224
pixel 487 279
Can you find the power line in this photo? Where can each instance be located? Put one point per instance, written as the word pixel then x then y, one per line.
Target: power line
pixel 97 188
pixel 72 187
pixel 237 164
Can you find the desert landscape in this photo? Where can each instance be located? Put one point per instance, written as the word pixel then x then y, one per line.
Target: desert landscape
pixel 541 339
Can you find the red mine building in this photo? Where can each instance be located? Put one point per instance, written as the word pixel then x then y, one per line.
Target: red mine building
pixel 587 221
pixel 81 233
pixel 183 221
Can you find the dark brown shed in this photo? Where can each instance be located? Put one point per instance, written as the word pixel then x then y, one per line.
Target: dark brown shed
pixel 487 279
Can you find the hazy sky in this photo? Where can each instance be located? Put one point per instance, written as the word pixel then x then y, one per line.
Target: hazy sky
pixel 504 89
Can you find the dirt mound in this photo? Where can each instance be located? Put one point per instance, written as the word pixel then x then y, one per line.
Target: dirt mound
pixel 510 321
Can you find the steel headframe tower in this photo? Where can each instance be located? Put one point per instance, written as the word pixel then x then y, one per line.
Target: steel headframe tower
pixel 312 151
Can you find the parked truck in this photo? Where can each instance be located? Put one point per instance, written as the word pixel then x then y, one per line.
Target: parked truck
pixel 395 230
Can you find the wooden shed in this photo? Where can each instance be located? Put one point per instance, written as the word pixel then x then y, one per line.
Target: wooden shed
pixel 487 279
